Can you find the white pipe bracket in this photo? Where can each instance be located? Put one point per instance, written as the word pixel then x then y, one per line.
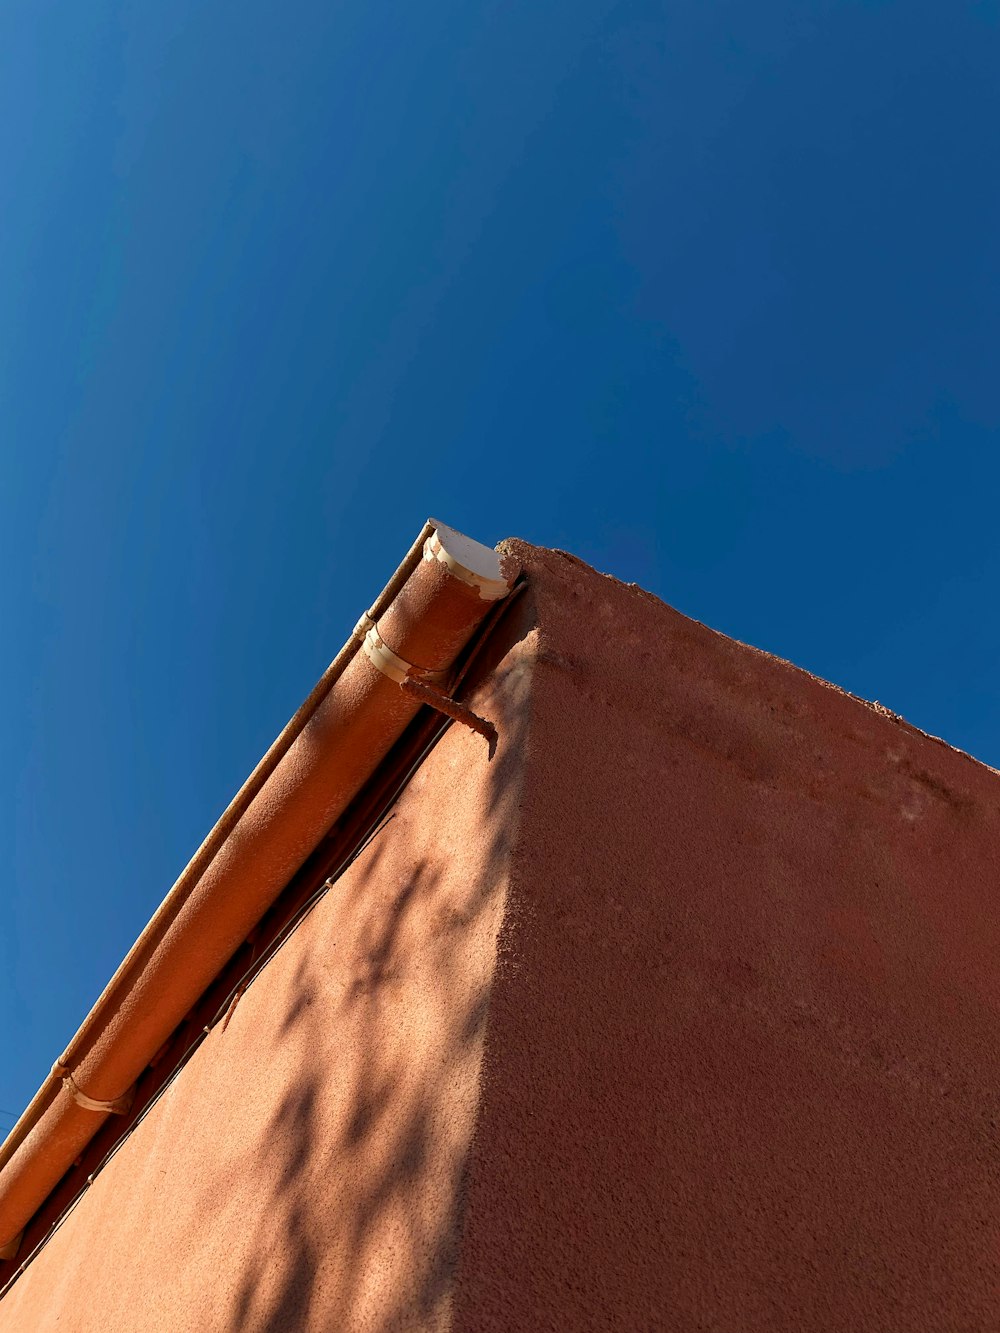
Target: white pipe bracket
pixel 119 1106
pixel 391 664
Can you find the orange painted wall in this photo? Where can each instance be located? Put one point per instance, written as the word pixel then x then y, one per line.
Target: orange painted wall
pixel 303 1172
pixel 740 1026
pixel 741 1075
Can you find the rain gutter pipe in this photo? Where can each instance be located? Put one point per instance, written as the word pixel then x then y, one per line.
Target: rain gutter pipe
pixel 415 630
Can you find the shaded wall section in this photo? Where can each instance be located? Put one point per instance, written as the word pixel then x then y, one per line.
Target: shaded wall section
pixel 741 1071
pixel 303 1171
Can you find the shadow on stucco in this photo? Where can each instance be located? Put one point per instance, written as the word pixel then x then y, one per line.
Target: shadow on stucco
pixel 378 1025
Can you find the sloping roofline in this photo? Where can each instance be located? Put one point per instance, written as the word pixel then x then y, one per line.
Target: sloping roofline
pixel 397 660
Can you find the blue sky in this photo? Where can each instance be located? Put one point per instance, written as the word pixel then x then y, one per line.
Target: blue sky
pixel 706 293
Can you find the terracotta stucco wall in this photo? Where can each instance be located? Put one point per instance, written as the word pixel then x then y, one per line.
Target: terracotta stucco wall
pixel 742 1073
pixel 741 1030
pixel 303 1171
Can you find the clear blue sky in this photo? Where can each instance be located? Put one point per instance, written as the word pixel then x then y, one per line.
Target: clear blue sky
pixel 706 293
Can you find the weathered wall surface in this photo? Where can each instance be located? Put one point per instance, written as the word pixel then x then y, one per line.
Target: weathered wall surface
pixel 741 1049
pixel 303 1171
pixel 741 1073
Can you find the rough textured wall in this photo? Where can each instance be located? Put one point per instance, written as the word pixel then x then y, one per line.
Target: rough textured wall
pixel 741 1073
pixel 303 1171
pixel 741 1053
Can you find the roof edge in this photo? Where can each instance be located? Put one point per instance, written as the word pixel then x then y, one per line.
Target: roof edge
pixel 431 607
